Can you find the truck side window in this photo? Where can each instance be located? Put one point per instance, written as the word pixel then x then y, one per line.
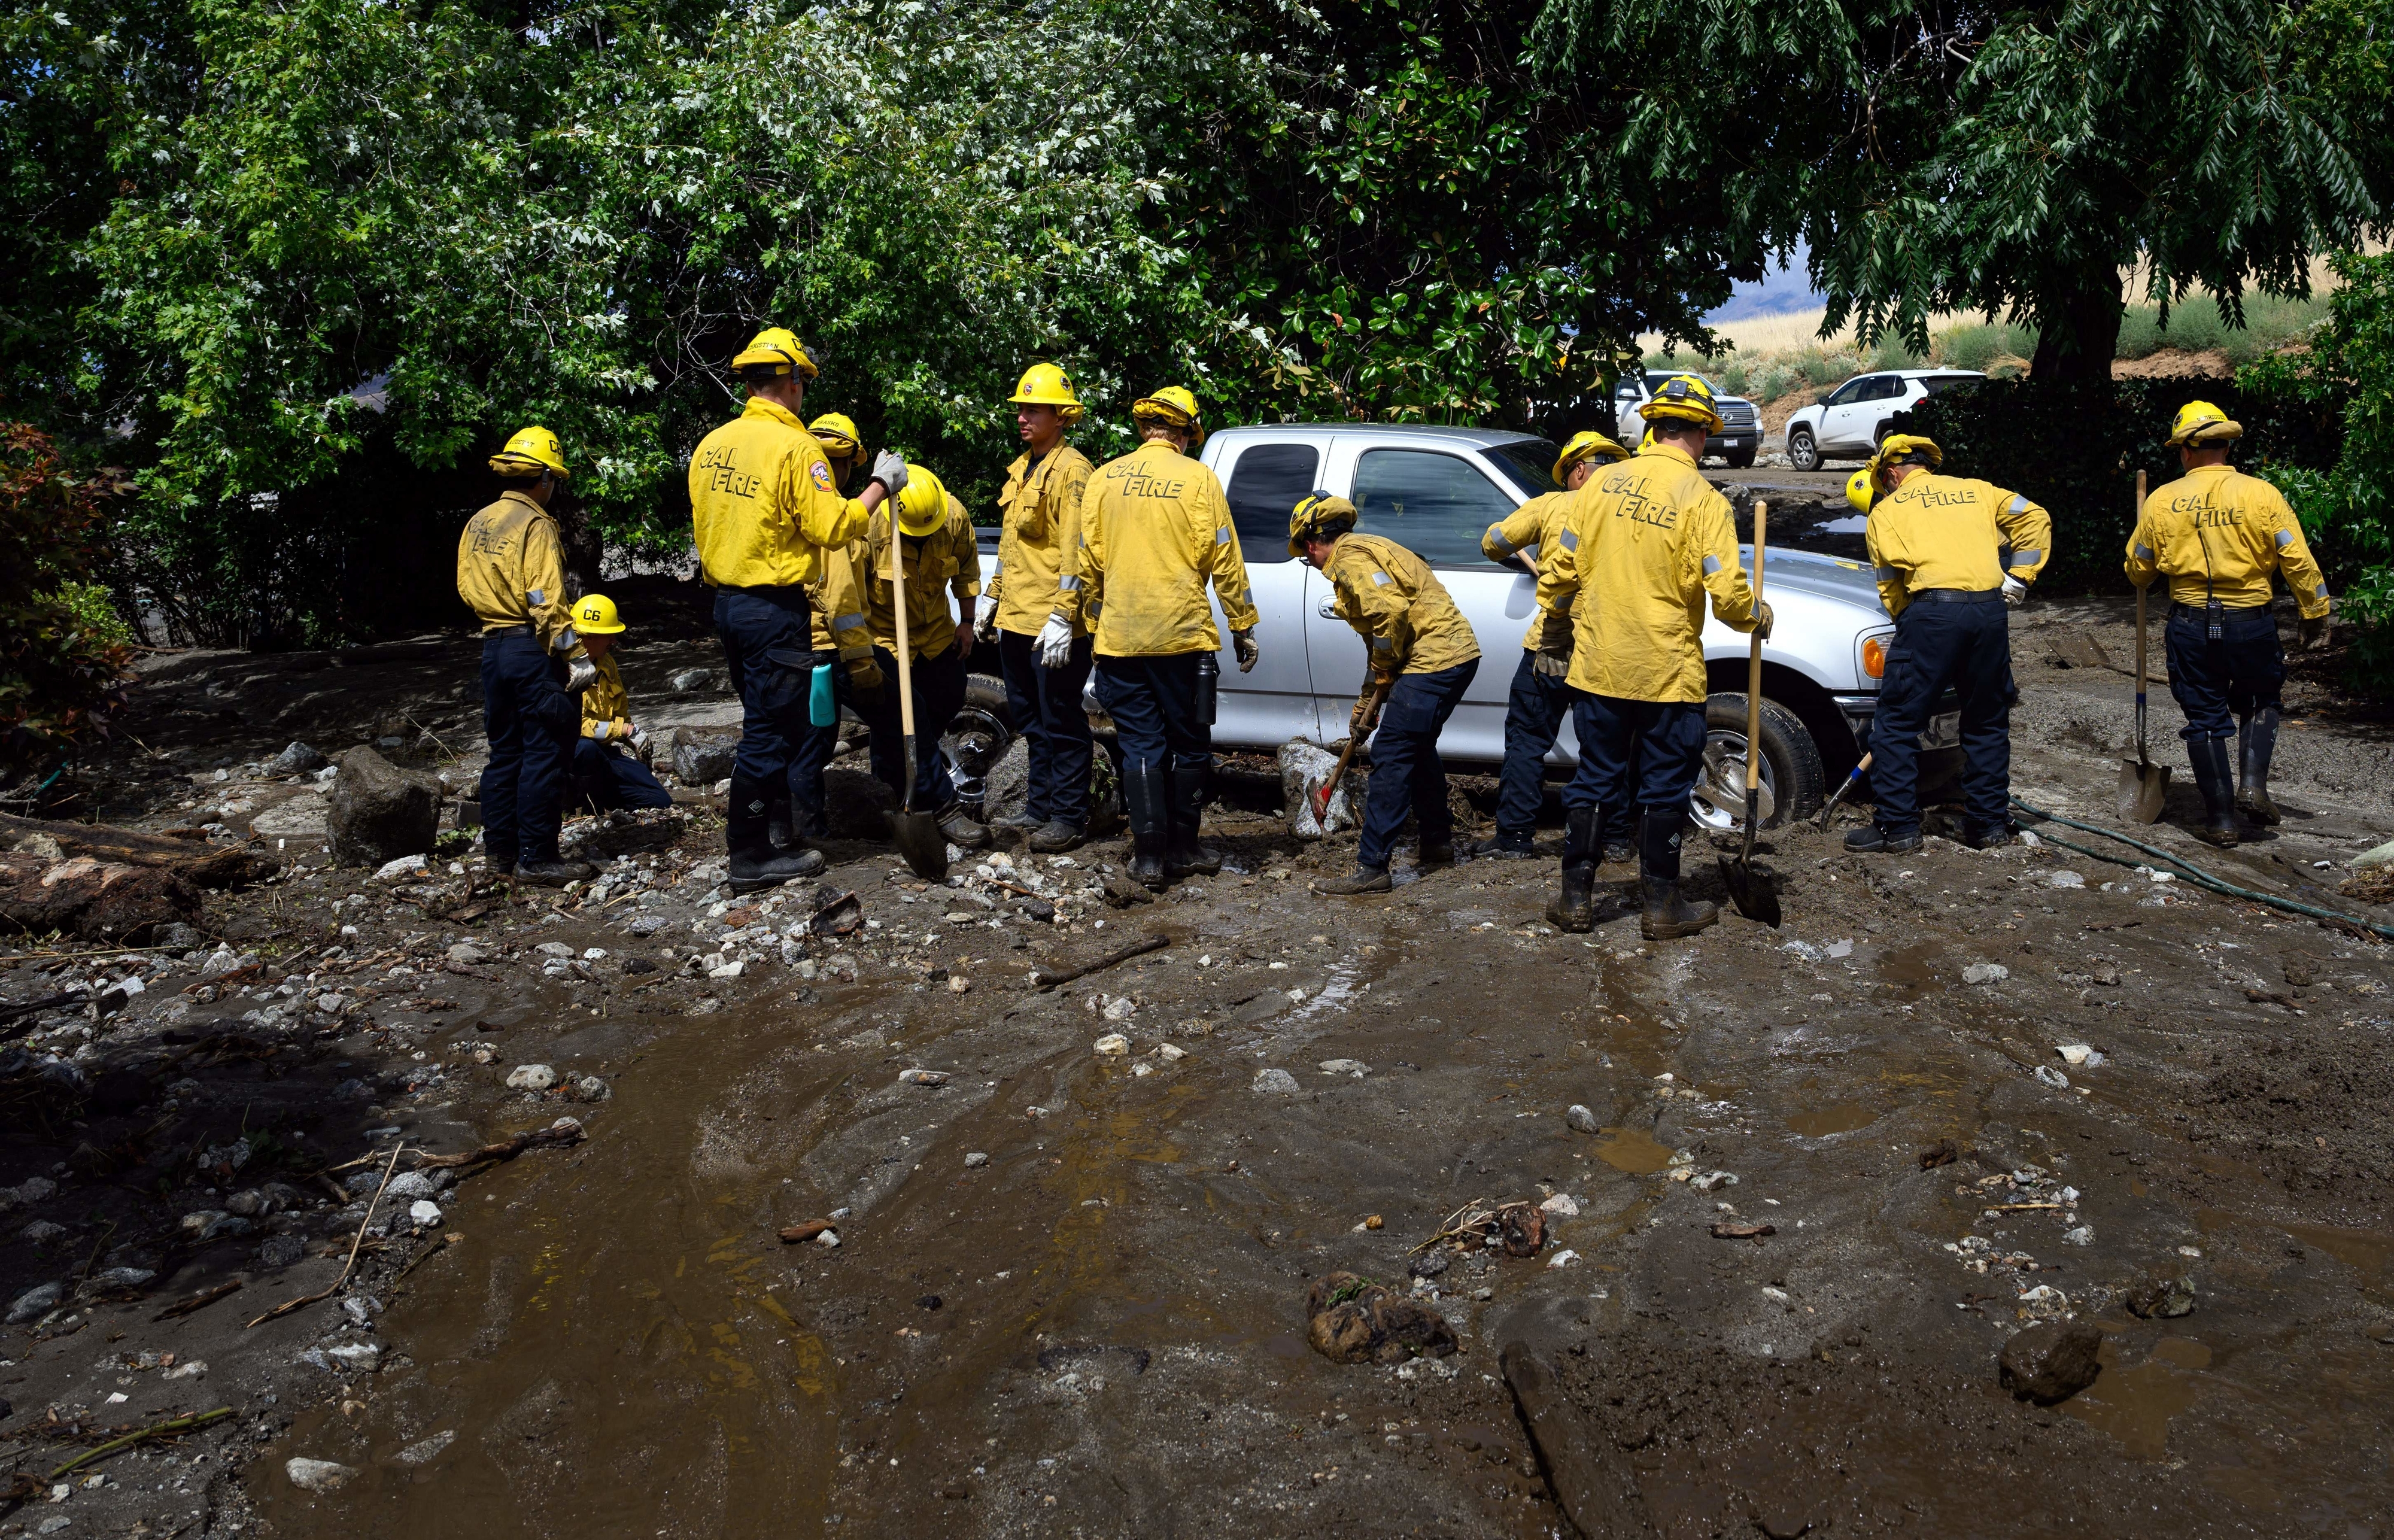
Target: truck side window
pixel 1266 486
pixel 1435 506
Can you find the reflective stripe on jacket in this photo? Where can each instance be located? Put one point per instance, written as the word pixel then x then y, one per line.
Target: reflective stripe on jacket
pixel 1527 528
pixel 2217 532
pixel 1155 529
pixel 762 502
pixel 1408 623
pixel 606 706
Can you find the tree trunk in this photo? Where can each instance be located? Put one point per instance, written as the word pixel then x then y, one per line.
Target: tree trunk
pixel 2080 335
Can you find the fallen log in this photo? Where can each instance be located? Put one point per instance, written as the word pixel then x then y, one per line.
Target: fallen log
pixel 201 865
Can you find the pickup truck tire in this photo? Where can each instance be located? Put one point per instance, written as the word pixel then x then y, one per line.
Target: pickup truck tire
pixel 1742 460
pixel 1803 449
pixel 1792 773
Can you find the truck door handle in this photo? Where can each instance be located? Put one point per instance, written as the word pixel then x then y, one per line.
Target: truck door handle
pixel 1327 609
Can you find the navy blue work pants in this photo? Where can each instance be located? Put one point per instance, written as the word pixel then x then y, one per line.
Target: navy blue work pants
pixel 531 724
pixel 1968 646
pixel 1045 703
pixel 2215 682
pixel 1406 773
pixel 1154 703
pixel 1636 754
pixel 813 748
pixel 751 623
pixel 607 776
pixel 1533 719
pixel 938 693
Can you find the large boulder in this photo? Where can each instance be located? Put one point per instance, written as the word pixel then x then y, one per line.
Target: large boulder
pixel 380 813
pixel 1305 769
pixel 702 758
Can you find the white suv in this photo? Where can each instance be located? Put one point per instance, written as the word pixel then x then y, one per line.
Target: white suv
pixel 1850 421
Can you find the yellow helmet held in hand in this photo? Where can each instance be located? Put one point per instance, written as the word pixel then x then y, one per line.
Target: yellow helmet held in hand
pixel 1321 515
pixel 836 433
pixel 532 451
pixel 923 507
pixel 1172 406
pixel 1900 449
pixel 1687 398
pixel 594 615
pixel 1860 491
pixel 779 348
pixel 1582 446
pixel 2201 422
pixel 1045 385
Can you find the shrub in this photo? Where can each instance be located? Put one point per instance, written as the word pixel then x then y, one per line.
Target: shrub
pixel 62 651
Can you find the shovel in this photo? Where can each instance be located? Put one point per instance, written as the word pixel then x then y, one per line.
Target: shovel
pixel 1821 819
pixel 1754 892
pixel 2144 785
pixel 918 834
pixel 1322 797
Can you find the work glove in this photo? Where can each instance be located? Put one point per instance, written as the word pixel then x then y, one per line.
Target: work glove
pixel 639 741
pixel 1366 717
pixel 2015 592
pixel 864 680
pixel 985 617
pixel 890 471
pixel 1243 644
pixel 1055 643
pixel 1762 618
pixel 1551 656
pixel 2311 634
pixel 579 675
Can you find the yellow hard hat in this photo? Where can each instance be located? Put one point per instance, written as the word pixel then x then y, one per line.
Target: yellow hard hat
pixel 836 433
pixel 778 348
pixel 923 507
pixel 1906 449
pixel 532 451
pixel 1860 491
pixel 1321 514
pixel 1686 397
pixel 2199 423
pixel 594 615
pixel 1044 385
pixel 1173 406
pixel 1581 446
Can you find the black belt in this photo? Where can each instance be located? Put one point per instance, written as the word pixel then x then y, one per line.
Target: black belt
pixel 1958 595
pixel 2196 611
pixel 507 631
pixel 770 591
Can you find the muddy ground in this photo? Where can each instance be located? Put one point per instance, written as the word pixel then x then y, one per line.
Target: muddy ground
pixel 1067 1295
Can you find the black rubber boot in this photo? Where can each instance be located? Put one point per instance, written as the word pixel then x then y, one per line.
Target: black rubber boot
pixel 2256 741
pixel 1364 879
pixel 747 836
pixel 1434 853
pixel 1018 822
pixel 963 829
pixel 1574 905
pixel 1185 854
pixel 2216 782
pixel 1667 915
pixel 779 830
pixel 553 873
pixel 1146 807
pixel 1504 846
pixel 1056 836
pixel 1870 839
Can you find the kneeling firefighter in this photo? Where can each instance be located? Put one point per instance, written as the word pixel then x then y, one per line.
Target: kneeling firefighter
pixel 609 762
pixel 1421 655
pixel 2218 534
pixel 1155 529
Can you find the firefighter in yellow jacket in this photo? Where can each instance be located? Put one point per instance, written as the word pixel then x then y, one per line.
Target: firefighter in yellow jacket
pixel 1155 529
pixel 941 560
pixel 608 772
pixel 1533 711
pixel 1032 609
pixel 1953 555
pixel 2218 534
pixel 511 571
pixel 1621 594
pixel 1420 657
pixel 764 510
pixel 843 648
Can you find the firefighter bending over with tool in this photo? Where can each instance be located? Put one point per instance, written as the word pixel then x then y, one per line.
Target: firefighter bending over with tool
pixel 1155 529
pixel 2216 534
pixel 1422 656
pixel 763 509
pixel 1622 601
pixel 1534 712
pixel 936 535
pixel 1936 541
pixel 511 572
pixel 608 770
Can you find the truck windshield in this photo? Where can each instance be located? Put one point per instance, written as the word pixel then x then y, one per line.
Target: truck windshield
pixel 1529 462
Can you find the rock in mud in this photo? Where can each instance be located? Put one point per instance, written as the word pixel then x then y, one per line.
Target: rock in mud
pixel 1304 769
pixel 1275 1082
pixel 379 812
pixel 319 1476
pixel 530 1077
pixel 2161 1298
pixel 34 1302
pixel 1581 1119
pixel 1123 894
pixel 1430 1263
pixel 297 759
pixel 1943 1152
pixel 1523 1228
pixel 701 759
pixel 1985 973
pixel 1353 1320
pixel 2053 1362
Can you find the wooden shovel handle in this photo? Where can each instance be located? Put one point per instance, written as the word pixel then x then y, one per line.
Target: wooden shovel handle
pixel 1754 661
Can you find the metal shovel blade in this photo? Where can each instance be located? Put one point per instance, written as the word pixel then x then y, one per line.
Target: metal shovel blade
pixel 917 834
pixel 2144 787
pixel 1753 890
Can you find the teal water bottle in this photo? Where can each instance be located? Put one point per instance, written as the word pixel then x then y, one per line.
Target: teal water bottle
pixel 821 710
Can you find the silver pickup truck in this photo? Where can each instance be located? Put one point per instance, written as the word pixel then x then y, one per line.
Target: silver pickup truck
pixel 1435 490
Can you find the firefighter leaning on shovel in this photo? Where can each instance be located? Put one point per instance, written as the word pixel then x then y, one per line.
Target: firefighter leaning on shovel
pixel 2216 534
pixel 1937 541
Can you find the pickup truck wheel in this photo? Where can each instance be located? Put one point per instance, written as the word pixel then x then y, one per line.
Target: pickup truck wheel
pixel 1792 779
pixel 1803 451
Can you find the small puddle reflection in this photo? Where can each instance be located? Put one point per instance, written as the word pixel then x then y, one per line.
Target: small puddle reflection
pixel 1843 1118
pixel 2135 1405
pixel 1628 1150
